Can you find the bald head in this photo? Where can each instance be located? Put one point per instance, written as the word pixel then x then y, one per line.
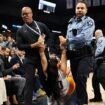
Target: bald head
pixel 27 15
pixel 98 33
pixel 26 8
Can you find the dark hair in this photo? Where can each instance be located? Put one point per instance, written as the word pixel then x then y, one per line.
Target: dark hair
pixel 82 1
pixel 53 62
pixel 53 78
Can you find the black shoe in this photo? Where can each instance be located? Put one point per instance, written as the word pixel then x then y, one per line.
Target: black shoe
pixel 96 100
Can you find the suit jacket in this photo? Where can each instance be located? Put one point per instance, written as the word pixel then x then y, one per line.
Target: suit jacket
pixel 21 70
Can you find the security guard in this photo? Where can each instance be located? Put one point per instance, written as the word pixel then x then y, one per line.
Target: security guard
pixel 79 35
pixel 80 32
pixel 100 45
pixel 99 66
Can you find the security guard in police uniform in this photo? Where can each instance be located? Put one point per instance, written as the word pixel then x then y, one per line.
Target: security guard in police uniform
pixel 80 32
pixel 100 43
pixel 79 35
pixel 99 69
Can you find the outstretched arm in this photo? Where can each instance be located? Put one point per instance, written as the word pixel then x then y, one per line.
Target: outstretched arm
pixel 63 55
pixel 43 61
pixel 43 56
pixel 63 61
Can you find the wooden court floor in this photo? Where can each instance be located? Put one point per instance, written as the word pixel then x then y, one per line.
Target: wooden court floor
pixel 90 91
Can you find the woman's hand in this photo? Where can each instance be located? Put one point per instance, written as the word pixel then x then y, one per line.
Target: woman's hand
pixel 62 42
pixel 39 43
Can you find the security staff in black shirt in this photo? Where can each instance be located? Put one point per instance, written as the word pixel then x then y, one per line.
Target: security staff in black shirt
pixel 28 40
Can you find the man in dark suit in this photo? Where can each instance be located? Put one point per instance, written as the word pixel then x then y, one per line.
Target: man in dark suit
pixel 28 40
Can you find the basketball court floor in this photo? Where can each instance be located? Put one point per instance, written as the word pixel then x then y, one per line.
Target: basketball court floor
pixel 90 91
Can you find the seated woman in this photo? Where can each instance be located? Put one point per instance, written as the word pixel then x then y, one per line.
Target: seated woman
pixel 58 75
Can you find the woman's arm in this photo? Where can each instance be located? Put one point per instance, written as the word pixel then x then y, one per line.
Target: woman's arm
pixel 44 61
pixel 63 66
pixel 63 61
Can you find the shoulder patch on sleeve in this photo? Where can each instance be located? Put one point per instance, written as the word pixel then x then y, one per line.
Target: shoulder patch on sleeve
pixel 90 23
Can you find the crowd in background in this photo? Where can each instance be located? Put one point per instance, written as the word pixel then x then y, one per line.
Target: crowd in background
pixel 23 67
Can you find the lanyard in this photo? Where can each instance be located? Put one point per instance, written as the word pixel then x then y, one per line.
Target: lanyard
pixel 39 31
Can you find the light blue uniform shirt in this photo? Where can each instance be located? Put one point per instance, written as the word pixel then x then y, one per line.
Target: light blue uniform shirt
pixel 85 29
pixel 100 45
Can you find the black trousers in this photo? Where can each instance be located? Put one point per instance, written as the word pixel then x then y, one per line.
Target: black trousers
pixel 11 87
pixel 98 78
pixel 101 74
pixel 96 85
pixel 30 81
pixel 80 68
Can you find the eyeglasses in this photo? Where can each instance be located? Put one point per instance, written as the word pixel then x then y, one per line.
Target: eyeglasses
pixel 26 14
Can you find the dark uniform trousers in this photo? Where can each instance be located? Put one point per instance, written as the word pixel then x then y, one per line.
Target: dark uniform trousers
pixel 98 78
pixel 81 65
pixel 96 83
